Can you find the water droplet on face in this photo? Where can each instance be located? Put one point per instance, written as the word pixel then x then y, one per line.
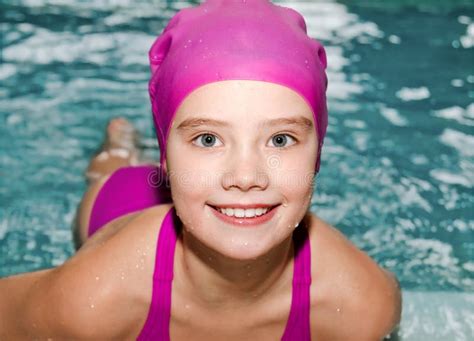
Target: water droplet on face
pixel 97 278
pixel 338 310
pixel 248 274
pixel 92 306
pixel 297 224
pixel 187 306
pixel 285 204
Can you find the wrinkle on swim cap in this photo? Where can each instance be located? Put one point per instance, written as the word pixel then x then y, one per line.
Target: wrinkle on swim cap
pixel 235 40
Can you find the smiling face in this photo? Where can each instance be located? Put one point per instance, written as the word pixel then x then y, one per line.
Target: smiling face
pixel 247 143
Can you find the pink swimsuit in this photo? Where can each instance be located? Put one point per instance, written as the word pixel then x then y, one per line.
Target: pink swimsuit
pixel 129 190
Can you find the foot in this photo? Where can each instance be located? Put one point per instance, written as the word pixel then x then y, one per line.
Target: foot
pixel 118 150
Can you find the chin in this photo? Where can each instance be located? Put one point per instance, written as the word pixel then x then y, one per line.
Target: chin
pixel 242 253
pixel 238 241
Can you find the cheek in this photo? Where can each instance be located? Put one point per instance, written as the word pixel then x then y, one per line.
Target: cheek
pixel 295 173
pixel 191 179
pixel 295 184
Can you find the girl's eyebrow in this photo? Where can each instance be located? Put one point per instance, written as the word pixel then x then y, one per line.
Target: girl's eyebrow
pixel 299 121
pixel 197 122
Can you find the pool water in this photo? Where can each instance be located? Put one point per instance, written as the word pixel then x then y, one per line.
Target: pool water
pixel 397 172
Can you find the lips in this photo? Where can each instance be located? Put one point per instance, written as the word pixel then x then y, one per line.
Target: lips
pixel 244 213
pixel 245 221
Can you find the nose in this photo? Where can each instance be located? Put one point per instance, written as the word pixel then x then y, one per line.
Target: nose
pixel 246 171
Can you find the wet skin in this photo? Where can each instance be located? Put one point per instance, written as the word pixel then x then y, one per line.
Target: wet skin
pixel 111 274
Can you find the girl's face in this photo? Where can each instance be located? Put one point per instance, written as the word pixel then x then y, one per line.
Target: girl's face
pixel 248 143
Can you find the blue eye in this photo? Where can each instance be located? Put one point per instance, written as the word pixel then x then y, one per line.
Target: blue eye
pixel 281 140
pixel 206 140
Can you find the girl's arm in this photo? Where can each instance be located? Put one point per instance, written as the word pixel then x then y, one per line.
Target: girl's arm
pixel 29 306
pixel 67 302
pixel 102 292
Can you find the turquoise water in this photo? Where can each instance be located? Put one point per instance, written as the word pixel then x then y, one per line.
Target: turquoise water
pixel 397 172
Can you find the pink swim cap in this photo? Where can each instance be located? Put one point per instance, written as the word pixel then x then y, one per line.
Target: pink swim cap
pixel 235 40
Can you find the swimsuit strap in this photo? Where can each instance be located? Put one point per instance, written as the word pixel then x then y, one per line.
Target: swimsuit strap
pixel 157 324
pixel 298 325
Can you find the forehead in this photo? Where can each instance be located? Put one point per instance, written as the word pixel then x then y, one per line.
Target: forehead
pixel 243 99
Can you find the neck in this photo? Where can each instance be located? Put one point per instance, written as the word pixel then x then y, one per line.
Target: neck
pixel 215 280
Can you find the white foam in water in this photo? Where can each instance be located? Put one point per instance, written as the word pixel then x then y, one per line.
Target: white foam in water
pixel 437 316
pixel 467 40
pixel 393 116
pixel 340 88
pixel 463 143
pixel 323 20
pixel 469 266
pixel 433 252
pixel 463 19
pixel 408 194
pixel 394 39
pixel 413 94
pixel 357 124
pixel 361 29
pixel 463 116
pixel 450 178
pixel 338 61
pixel 457 83
pixel 7 70
pixel 419 159
pixel 46 47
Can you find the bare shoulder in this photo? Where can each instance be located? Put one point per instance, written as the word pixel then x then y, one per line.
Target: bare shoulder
pixel 107 285
pixel 352 297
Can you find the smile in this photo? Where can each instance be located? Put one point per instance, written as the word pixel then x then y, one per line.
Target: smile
pixel 244 216
pixel 241 213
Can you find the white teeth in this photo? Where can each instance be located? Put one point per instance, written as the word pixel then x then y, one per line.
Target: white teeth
pixel 240 212
pixel 250 213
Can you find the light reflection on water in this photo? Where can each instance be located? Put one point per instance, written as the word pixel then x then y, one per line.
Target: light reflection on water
pixel 398 163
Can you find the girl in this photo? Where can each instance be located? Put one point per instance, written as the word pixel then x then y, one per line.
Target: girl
pixel 217 242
